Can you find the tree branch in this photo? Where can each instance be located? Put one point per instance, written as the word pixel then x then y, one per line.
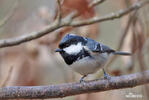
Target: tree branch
pixel 69 89
pixel 111 16
pixel 63 23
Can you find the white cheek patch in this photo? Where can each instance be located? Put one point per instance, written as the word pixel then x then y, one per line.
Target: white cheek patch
pixel 73 49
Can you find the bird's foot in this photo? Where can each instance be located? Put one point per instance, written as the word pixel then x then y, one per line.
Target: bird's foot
pixel 106 76
pixel 82 79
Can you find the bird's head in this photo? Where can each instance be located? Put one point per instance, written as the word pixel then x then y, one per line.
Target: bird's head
pixel 71 47
pixel 71 44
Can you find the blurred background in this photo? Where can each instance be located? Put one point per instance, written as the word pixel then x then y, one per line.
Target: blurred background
pixel 35 62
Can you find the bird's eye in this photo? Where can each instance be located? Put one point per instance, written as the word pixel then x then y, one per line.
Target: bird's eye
pixel 66 45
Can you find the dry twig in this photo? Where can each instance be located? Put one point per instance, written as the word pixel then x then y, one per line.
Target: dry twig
pixel 5 20
pixel 59 16
pixel 96 2
pixel 7 77
pixel 122 38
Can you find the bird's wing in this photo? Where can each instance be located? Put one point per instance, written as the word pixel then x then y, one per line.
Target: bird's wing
pixel 98 47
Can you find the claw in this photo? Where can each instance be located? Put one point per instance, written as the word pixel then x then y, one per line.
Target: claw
pixel 106 76
pixel 81 80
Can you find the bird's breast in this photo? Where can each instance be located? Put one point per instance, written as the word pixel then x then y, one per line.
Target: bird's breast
pixel 89 64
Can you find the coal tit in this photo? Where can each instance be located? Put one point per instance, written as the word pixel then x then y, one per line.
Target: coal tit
pixel 85 55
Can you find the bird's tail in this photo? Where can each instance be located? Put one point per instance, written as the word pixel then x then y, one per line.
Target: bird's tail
pixel 122 53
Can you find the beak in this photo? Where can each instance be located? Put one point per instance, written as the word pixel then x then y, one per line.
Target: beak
pixel 58 50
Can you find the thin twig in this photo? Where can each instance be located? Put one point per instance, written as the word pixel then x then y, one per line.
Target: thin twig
pixel 122 38
pixel 96 2
pixel 54 26
pixel 59 15
pixel 69 89
pixel 7 77
pixel 124 33
pixel 9 15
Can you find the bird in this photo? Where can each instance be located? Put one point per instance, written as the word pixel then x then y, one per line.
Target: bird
pixel 85 55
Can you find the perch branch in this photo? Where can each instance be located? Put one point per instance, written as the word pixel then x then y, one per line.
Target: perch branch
pixel 63 23
pixel 69 89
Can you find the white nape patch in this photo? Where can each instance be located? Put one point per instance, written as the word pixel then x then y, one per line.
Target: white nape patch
pixel 101 47
pixel 73 49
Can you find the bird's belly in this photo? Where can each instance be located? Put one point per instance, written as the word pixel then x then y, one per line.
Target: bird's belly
pixel 88 65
